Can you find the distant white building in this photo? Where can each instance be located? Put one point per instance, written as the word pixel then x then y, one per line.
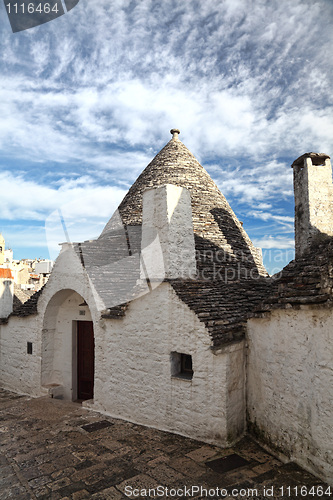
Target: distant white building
pixel 8 256
pixel 28 274
pixel 43 266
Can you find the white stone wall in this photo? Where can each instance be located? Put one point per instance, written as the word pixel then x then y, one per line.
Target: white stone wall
pixel 290 385
pixel 167 219
pixel 20 371
pixel 27 373
pixel 133 371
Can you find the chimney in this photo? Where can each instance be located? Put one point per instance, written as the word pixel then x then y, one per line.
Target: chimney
pixel 167 243
pixel 6 293
pixel 313 199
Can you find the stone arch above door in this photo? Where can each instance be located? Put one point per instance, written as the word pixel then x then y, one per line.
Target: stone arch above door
pixel 59 342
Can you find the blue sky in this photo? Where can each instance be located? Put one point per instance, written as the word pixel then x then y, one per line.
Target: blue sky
pixel 88 99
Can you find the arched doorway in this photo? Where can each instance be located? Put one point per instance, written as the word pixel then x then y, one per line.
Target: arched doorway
pixel 68 351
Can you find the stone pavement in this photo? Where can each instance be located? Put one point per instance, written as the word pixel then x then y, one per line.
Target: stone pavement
pixel 52 449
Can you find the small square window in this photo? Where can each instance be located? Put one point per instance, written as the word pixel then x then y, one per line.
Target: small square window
pixel 186 362
pixel 29 347
pixel 181 365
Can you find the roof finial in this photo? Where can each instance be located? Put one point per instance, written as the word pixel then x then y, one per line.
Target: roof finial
pixel 174 132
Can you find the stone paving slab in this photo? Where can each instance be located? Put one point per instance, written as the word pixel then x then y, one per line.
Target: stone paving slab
pixel 48 453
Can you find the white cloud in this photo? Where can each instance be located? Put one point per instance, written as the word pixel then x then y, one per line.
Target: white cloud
pixel 270 242
pixel 28 200
pixel 83 206
pixel 282 219
pixel 264 206
pixel 116 73
pixel 49 125
pixel 18 235
pixel 260 182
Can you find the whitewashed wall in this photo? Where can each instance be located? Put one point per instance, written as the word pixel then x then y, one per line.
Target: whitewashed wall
pixel 19 371
pixel 25 373
pixel 290 385
pixel 133 371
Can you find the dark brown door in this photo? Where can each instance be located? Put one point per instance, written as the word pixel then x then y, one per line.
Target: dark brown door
pixel 85 360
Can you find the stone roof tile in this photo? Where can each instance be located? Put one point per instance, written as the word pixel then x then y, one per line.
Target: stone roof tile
pixel 223 307
pixel 307 280
pixel 28 307
pixel 5 273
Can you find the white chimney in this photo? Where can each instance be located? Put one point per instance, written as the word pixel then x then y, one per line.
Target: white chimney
pixel 6 292
pixel 167 244
pixel 313 199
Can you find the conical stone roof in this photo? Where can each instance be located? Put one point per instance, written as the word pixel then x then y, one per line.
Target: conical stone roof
pixel 216 227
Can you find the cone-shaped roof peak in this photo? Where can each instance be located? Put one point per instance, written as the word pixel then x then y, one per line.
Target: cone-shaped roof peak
pixel 213 218
pixel 175 133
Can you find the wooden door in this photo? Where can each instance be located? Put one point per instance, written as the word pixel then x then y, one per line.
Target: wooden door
pixel 85 360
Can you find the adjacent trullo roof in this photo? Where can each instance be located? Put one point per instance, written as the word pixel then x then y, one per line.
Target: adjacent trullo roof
pixel 307 280
pixel 231 278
